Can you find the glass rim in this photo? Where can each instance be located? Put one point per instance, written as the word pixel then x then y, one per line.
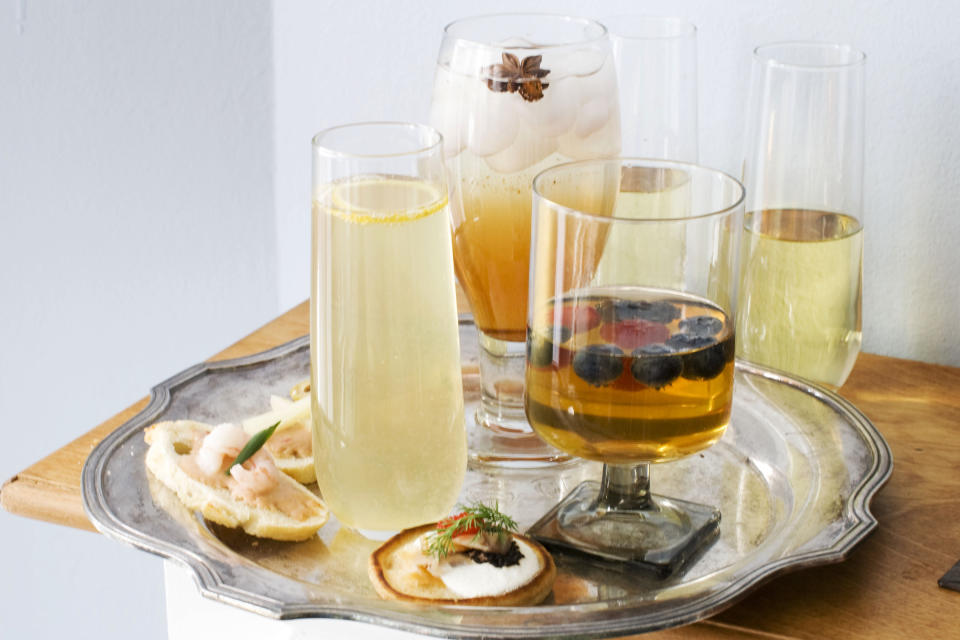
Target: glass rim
pixel 603 32
pixel 687 28
pixel 435 137
pixel 857 57
pixel 641 162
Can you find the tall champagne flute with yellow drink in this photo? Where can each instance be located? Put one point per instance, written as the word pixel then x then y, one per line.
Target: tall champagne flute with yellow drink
pixel 387 400
pixel 513 94
pixel 801 270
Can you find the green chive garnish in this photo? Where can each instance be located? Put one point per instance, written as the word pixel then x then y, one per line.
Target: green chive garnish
pixel 253 445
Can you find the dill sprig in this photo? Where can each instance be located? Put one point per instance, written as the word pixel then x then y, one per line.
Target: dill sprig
pixel 477 518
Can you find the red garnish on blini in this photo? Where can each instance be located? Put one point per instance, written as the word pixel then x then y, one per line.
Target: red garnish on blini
pixel 452 521
pixel 630 334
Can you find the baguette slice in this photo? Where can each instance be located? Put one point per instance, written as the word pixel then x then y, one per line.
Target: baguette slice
pixel 171 441
pixel 396 575
pixel 291 445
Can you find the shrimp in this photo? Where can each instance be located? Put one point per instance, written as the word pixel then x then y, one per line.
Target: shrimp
pixel 255 477
pixel 225 441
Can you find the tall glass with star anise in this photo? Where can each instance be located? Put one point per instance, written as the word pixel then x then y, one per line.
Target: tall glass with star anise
pixel 514 94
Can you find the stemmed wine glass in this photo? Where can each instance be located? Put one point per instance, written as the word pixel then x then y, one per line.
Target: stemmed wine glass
pixel 513 95
pixel 631 368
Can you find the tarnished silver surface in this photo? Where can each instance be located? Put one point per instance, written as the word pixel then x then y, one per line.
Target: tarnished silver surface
pixel 793 477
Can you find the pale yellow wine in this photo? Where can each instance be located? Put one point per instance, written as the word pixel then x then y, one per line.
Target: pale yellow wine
pixel 388 429
pixel 800 294
pixel 650 253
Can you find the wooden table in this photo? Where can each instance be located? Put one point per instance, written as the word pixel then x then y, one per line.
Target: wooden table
pixel 887 588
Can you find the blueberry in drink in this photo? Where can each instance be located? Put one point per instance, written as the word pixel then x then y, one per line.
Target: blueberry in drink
pixel 648 378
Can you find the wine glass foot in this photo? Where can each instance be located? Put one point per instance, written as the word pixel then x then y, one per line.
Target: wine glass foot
pixel 508 443
pixel 665 537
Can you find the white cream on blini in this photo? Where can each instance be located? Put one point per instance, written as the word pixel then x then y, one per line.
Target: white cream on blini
pixel 480 579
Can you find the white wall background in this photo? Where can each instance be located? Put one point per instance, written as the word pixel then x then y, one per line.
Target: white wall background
pixel 336 64
pixel 136 238
pixel 154 204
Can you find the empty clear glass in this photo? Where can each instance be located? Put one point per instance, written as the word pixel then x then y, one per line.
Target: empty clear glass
pixel 656 60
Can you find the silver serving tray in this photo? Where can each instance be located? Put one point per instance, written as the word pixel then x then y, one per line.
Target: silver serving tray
pixel 793 477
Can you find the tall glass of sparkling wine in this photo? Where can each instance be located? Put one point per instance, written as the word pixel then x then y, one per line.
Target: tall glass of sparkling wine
pixel 800 295
pixel 630 368
pixel 513 94
pixel 388 431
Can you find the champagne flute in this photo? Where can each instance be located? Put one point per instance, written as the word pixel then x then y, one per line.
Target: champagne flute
pixel 631 372
pixel 386 394
pixel 513 95
pixel 801 270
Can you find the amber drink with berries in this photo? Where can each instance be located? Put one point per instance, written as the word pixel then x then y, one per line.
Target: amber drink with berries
pixel 630 374
pixel 629 367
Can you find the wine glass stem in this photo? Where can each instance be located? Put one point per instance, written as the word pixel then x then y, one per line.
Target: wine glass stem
pixel 502 366
pixel 625 488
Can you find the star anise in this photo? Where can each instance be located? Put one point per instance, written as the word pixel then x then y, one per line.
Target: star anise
pixel 516 76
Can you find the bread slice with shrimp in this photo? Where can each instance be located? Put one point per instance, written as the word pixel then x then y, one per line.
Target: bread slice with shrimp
pixel 291 444
pixel 193 459
pixel 403 569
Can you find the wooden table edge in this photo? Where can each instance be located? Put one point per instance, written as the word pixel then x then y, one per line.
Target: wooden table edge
pixel 50 489
pixel 36 492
